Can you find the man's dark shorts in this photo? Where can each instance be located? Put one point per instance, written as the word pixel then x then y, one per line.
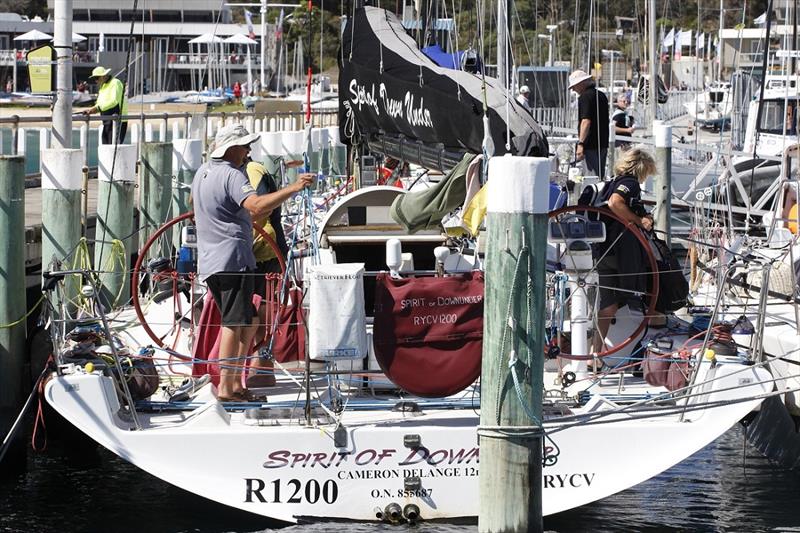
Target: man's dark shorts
pixel 233 294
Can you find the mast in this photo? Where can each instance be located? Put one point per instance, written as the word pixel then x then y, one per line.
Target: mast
pixel 62 106
pixel 263 43
pixel 504 24
pixel 719 41
pixel 654 49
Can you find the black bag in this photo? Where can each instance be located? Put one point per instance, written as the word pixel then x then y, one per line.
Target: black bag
pixel 673 288
pixel 140 373
pixel 593 195
pixel 143 378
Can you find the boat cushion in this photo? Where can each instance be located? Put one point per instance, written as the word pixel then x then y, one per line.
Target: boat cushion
pixel 428 332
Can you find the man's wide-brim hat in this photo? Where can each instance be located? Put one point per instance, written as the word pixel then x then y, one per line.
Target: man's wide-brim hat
pixel 577 77
pixel 100 71
pixel 233 135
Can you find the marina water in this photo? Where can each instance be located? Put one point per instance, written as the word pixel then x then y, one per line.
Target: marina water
pixel 724 487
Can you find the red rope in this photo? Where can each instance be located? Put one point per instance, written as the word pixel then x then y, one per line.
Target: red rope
pixel 40 415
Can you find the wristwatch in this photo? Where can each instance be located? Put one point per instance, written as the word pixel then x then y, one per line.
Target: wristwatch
pixel 580 143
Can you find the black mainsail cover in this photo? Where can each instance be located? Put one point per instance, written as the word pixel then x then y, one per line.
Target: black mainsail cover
pixel 388 86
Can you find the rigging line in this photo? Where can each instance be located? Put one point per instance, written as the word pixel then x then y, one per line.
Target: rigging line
pixel 641 406
pixel 119 120
pixel 522 32
pixel 573 56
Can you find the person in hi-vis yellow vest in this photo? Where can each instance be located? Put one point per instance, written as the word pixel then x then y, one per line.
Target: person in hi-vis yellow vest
pixel 110 101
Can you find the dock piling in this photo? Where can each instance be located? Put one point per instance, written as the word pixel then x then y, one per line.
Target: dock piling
pixel 62 180
pixel 663 180
pixel 116 182
pixel 510 479
pixel 12 288
pixel 187 156
pixel 155 194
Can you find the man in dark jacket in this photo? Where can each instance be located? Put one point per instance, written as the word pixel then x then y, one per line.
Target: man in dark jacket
pixel 592 146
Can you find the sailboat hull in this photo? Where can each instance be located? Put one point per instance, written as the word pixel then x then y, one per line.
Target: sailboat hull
pixel 267 464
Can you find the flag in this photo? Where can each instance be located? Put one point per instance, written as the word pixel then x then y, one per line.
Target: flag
pixel 101 42
pixel 669 40
pixel 684 38
pixel 761 19
pixel 249 18
pixel 701 41
pixel 279 27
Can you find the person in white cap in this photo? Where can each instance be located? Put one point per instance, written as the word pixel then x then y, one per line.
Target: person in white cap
pixel 522 97
pixel 110 101
pixel 224 203
pixel 593 125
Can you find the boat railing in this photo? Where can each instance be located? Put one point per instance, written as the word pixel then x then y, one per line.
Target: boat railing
pixel 200 60
pixel 555 117
pixel 146 127
pixel 11 57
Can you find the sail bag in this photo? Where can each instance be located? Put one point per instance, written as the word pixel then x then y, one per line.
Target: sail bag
pixel 337 319
pixel 428 332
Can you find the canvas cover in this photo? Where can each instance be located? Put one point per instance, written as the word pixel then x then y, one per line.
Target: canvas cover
pixel 387 85
pixel 337 318
pixel 425 209
pixel 428 332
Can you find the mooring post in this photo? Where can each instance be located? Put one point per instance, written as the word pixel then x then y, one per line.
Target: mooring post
pixel 510 433
pixel 339 153
pixel 155 193
pixel 62 179
pixel 663 180
pixel 116 186
pixel 12 288
pixel 187 156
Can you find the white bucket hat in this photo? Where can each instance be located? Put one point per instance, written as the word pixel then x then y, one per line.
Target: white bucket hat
pixel 578 76
pixel 233 135
pixel 524 89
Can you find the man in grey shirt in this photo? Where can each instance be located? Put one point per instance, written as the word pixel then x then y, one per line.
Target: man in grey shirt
pixel 224 204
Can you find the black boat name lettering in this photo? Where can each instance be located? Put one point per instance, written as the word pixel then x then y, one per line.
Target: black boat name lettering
pixel 560 481
pixel 292 491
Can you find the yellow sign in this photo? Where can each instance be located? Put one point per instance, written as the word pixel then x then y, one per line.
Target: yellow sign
pixel 40 68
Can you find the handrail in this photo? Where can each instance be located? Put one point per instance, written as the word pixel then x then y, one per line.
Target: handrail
pixel 16 120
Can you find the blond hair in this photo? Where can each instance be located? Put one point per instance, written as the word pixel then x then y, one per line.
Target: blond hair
pixel 635 162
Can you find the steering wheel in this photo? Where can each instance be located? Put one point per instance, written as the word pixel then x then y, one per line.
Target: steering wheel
pixel 586 281
pixel 169 273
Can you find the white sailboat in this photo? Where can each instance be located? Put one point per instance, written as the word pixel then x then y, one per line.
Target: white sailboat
pixel 344 441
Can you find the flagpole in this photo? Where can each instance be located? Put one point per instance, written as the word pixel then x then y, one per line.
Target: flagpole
pixel 654 45
pixel 719 47
pixel 263 42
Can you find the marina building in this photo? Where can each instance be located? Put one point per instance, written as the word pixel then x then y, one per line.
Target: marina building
pixel 170 45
